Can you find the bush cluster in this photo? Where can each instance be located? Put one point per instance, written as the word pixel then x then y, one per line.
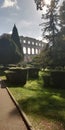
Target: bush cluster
pixel 20 76
pixel 16 76
pixel 32 73
pixel 54 79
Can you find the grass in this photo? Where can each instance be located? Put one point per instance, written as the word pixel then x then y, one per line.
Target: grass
pixel 44 107
pixel 2 76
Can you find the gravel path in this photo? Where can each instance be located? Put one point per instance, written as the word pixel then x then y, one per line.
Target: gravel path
pixel 10 118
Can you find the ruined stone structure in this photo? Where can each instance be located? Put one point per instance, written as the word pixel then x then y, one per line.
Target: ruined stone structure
pixel 31 47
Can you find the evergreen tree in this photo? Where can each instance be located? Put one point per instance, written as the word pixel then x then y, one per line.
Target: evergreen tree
pixel 54 55
pixel 62 20
pixel 9 52
pixel 50 26
pixel 15 37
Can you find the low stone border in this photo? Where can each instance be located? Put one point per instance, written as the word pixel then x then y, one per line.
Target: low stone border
pixel 23 115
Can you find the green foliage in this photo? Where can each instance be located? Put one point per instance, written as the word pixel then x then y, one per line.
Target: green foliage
pixel 20 76
pixel 32 73
pixel 36 61
pixel 39 4
pixel 50 24
pixel 44 107
pixel 16 39
pixel 16 76
pixel 55 79
pixel 62 20
pixel 52 56
pixel 58 53
pixel 54 53
pixel 9 52
pixel 62 13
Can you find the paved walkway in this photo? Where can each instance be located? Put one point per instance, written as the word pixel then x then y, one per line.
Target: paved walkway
pixel 10 118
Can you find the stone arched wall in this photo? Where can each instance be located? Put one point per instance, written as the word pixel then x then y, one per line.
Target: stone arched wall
pixel 31 47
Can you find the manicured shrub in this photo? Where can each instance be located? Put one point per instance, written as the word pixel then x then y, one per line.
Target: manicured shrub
pixel 54 79
pixel 46 79
pixel 17 76
pixel 20 76
pixel 58 79
pixel 32 73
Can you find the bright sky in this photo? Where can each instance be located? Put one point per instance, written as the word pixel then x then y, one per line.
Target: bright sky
pixel 23 13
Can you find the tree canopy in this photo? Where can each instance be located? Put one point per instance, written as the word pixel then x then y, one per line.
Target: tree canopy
pixel 39 4
pixel 53 55
pixel 9 52
pixel 15 37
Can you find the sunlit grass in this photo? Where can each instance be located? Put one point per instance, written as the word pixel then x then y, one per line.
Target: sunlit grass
pixel 3 77
pixel 44 107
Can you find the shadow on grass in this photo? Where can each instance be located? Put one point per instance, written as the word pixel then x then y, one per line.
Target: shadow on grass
pixel 47 102
pixel 15 84
pixel 42 102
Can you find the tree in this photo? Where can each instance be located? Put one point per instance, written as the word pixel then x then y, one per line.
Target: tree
pixel 62 20
pixel 16 39
pixel 39 4
pixel 54 55
pixel 36 61
pixel 50 26
pixel 9 52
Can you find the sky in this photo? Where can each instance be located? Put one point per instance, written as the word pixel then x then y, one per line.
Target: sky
pixel 23 13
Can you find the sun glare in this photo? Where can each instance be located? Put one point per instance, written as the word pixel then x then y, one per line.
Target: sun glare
pixel 47 2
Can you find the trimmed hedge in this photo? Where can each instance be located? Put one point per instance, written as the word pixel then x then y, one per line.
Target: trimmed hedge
pixel 17 76
pixel 20 76
pixel 32 73
pixel 54 79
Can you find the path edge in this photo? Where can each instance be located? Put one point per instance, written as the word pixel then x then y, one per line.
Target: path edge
pixel 23 115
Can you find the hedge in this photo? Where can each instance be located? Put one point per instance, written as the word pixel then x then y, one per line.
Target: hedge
pixel 32 73
pixel 20 76
pixel 17 76
pixel 54 79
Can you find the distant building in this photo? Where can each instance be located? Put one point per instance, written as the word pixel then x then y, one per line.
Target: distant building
pixel 31 47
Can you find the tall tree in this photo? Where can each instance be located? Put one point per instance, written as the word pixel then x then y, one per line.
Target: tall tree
pixel 54 55
pixel 15 37
pixel 50 26
pixel 9 52
pixel 62 20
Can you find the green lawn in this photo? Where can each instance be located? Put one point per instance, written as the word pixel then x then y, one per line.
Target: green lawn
pixel 44 107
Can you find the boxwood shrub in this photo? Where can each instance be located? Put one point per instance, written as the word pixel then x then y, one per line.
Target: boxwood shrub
pixel 54 79
pixel 20 76
pixel 32 73
pixel 16 76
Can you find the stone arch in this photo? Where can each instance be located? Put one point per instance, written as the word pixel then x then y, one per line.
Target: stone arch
pixel 31 46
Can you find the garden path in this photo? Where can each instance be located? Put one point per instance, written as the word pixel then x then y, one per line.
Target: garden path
pixel 10 118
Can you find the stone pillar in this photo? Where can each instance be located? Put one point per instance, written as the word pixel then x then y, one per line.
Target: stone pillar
pixel 34 50
pixel 26 50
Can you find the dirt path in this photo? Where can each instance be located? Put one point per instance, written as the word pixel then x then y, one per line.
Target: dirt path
pixel 10 118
